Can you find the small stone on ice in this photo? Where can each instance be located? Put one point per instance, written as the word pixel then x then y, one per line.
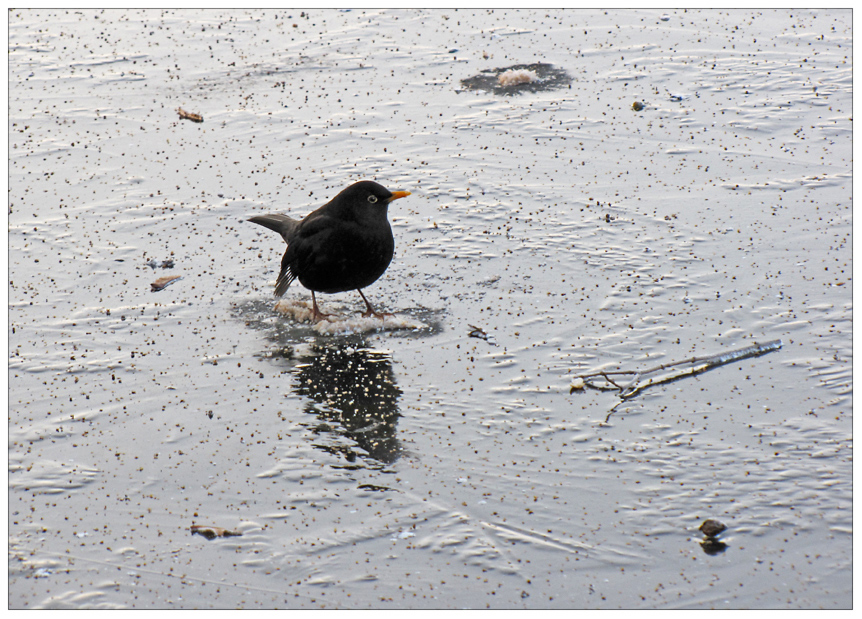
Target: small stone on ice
pixel 712 528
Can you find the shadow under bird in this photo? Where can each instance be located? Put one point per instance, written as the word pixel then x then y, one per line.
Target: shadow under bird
pixel 344 245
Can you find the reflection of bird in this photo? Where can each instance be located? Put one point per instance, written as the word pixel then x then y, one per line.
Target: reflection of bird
pixel 353 391
pixel 346 244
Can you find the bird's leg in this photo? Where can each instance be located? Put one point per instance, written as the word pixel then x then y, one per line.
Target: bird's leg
pixel 370 311
pixel 316 314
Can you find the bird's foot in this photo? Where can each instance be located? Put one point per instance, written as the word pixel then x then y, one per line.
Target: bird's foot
pixel 316 314
pixel 369 311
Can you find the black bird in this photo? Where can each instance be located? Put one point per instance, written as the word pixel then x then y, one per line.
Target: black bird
pixel 346 244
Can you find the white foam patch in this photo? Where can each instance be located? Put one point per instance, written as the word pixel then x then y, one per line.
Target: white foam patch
pixel 301 311
pixel 513 77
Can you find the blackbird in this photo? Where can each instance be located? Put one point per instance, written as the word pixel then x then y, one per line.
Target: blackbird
pixel 346 244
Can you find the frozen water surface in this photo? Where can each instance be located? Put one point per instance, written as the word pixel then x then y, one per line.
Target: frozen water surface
pixel 549 234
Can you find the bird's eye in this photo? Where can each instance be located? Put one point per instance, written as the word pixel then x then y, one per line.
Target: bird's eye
pixel 372 199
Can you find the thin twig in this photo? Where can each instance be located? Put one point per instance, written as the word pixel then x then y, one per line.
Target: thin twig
pixel 602 380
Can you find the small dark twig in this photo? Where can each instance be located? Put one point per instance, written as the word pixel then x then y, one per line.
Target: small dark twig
pixel 480 333
pixel 477 332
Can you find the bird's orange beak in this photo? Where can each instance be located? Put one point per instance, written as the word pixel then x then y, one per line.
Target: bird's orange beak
pixel 399 194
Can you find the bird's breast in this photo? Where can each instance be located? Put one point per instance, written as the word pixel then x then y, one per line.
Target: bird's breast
pixel 349 258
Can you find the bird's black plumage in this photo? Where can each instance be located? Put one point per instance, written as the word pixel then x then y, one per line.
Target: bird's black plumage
pixel 346 244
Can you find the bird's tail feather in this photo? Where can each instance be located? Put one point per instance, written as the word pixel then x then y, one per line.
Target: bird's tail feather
pixel 282 224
